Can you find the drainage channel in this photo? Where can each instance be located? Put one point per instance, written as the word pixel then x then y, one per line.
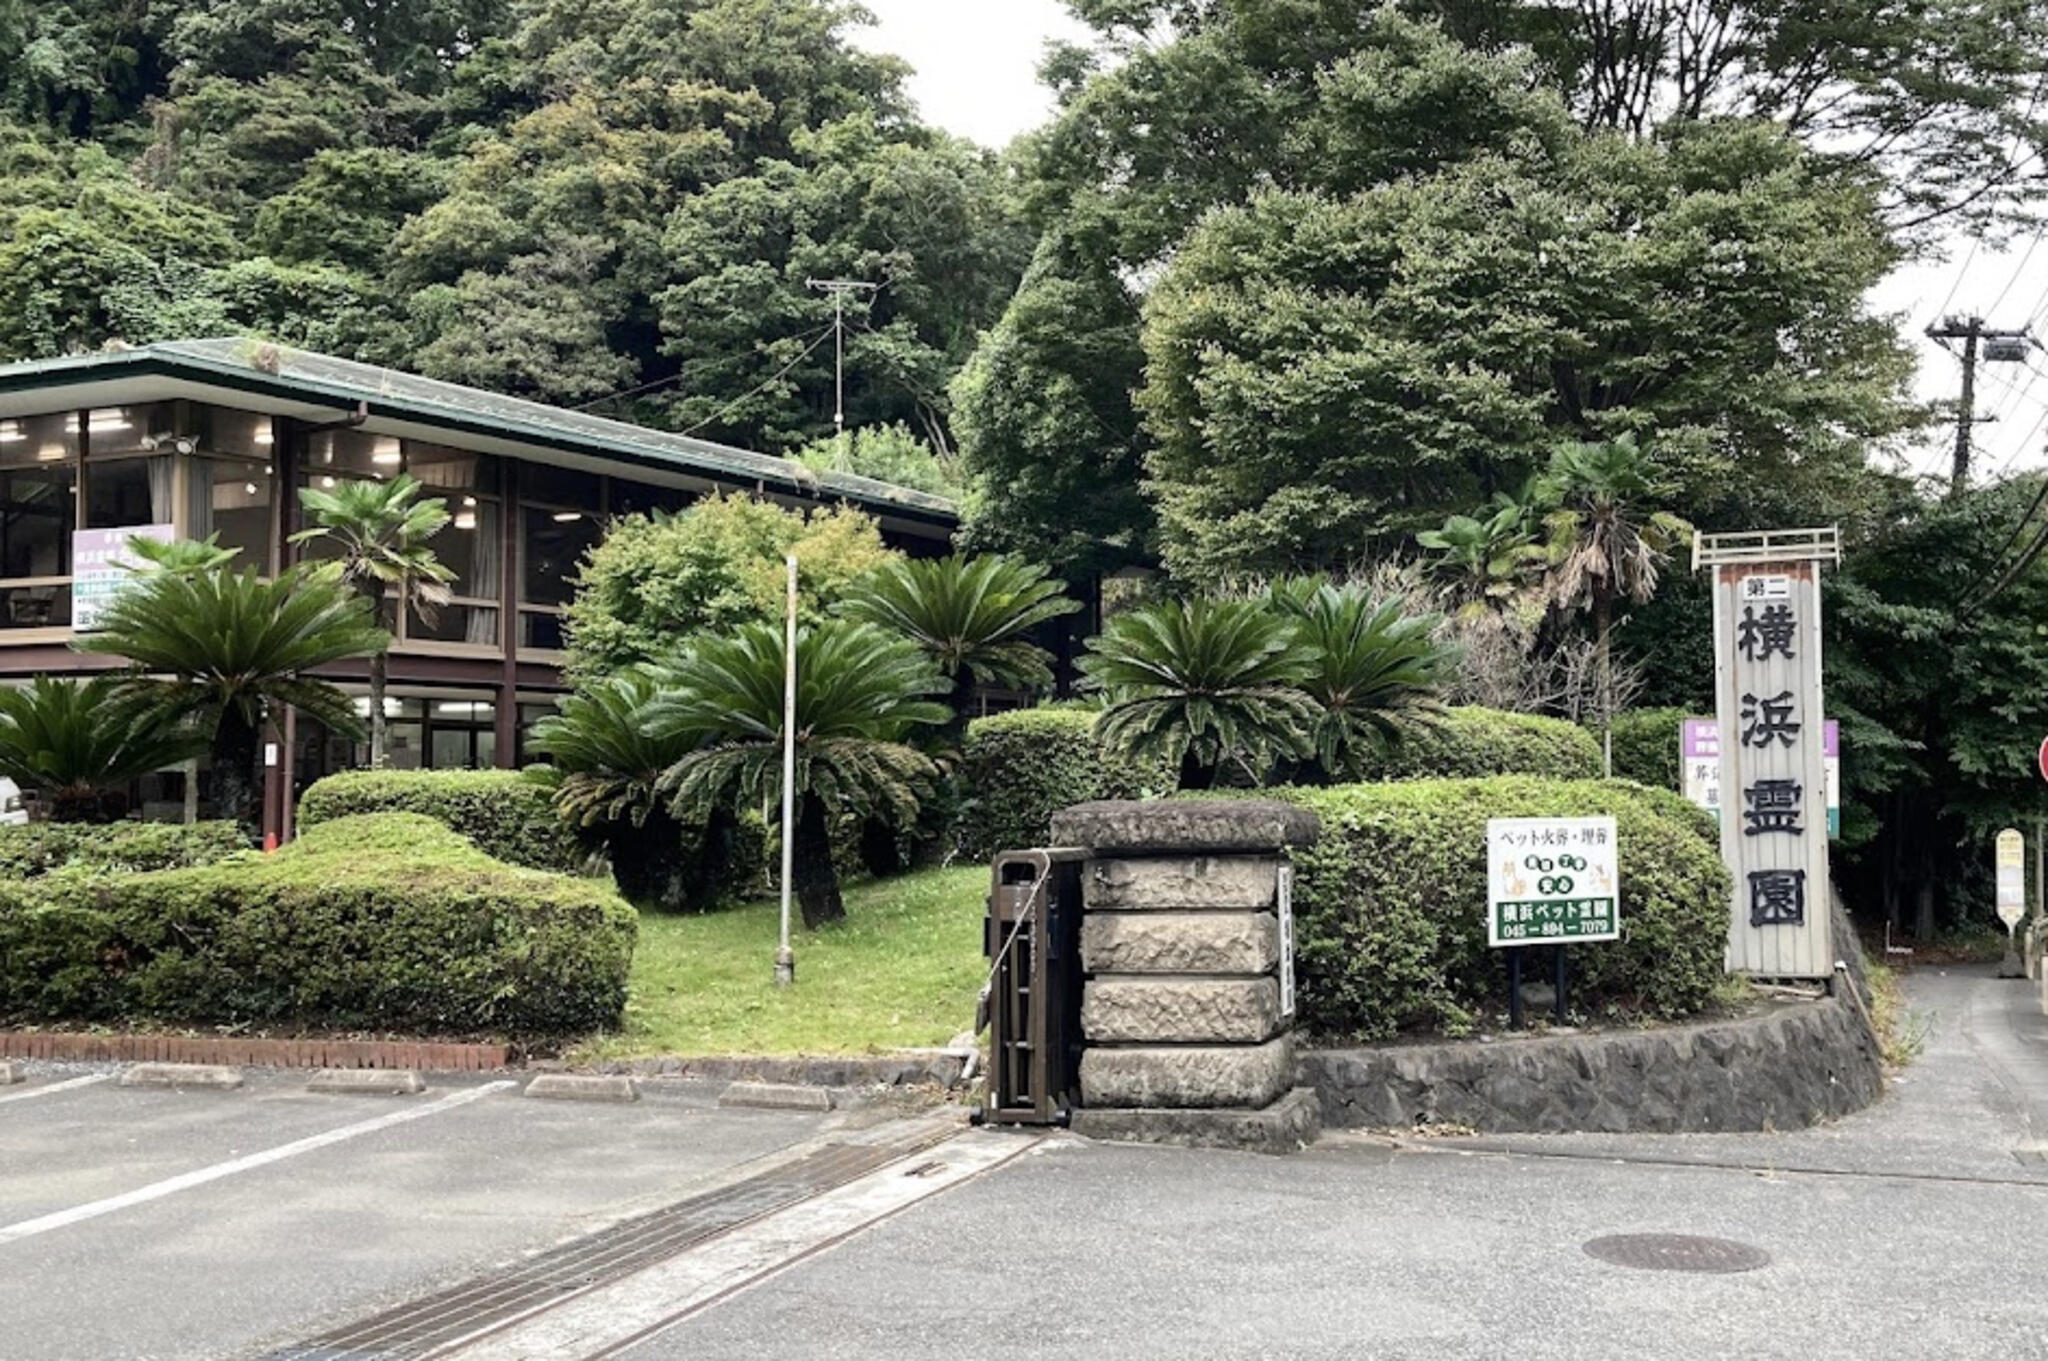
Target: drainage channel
pixel 427 1326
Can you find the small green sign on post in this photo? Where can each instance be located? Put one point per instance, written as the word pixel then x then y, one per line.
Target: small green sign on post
pixel 1551 881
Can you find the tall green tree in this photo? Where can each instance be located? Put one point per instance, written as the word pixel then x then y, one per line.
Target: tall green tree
pixel 229 650
pixel 381 534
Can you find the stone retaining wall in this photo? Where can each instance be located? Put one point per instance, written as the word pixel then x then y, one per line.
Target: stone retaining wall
pixel 1795 1065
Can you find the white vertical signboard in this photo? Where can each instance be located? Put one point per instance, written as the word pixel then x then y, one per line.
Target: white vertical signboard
pixel 2011 866
pixel 1773 776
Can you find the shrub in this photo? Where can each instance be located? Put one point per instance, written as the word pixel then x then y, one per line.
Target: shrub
pixel 1022 767
pixel 1646 746
pixel 386 922
pixel 1390 905
pixel 1469 742
pixel 508 817
pixel 39 848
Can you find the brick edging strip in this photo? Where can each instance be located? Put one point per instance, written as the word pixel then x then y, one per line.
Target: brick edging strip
pixel 65 1046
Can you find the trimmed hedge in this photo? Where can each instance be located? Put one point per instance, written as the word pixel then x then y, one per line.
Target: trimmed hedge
pixel 1468 742
pixel 1390 905
pixel 32 850
pixel 508 816
pixel 1021 767
pixel 1646 746
pixel 379 922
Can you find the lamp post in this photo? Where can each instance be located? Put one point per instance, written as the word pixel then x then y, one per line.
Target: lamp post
pixel 785 958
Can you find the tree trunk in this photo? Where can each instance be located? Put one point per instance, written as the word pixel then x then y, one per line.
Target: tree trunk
pixel 1603 625
pixel 812 879
pixel 377 672
pixel 235 746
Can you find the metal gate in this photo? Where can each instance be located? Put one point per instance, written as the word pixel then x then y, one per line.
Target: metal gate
pixel 1033 940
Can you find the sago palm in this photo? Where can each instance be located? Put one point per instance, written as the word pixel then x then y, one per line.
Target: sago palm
pixel 1489 565
pixel 1203 684
pixel 970 615
pixel 1376 669
pixel 80 743
pixel 381 532
pixel 1606 541
pixel 227 648
pixel 606 764
pixel 860 691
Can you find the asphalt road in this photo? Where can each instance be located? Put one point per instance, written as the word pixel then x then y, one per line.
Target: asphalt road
pixel 139 1223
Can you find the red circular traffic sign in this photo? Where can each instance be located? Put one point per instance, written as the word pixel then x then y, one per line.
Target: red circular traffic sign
pixel 2042 759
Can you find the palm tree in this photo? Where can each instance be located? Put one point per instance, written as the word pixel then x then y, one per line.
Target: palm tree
pixel 1605 543
pixel 605 772
pixel 181 555
pixel 1201 683
pixel 970 615
pixel 228 648
pixel 382 530
pixel 80 743
pixel 1488 565
pixel 1377 667
pixel 859 693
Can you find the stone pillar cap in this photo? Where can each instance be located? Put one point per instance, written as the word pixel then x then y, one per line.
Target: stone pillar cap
pixel 1169 825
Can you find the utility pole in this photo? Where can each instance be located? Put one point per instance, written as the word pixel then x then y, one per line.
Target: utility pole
pixel 2005 347
pixel 838 289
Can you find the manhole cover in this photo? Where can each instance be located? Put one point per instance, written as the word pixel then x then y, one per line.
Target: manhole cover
pixel 1676 1252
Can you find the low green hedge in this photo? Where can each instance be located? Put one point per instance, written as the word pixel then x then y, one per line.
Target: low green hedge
pixel 380 922
pixel 1021 767
pixel 508 816
pixel 1646 746
pixel 1390 905
pixel 1469 742
pixel 35 849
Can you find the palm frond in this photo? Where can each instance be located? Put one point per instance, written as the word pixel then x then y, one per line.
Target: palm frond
pixel 968 614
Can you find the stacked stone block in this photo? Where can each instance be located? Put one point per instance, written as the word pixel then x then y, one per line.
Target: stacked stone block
pixel 1181 944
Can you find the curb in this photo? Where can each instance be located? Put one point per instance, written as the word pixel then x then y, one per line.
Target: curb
pixel 911 1070
pixel 67 1047
pixel 182 1075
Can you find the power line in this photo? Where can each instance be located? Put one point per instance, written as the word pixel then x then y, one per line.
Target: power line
pixel 664 382
pixel 720 414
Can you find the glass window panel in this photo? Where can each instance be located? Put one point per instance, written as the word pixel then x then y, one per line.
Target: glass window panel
pixel 354 452
pixel 474 624
pixel 465 711
pixel 451 749
pixel 130 429
pixel 639 497
pixel 224 430
pixel 551 551
pixel 486 748
pixel 546 484
pixel 471 546
pixel 37 515
pixel 541 631
pixel 35 440
pixel 402 746
pixel 442 469
pixel 236 507
pixel 128 491
pixel 35 607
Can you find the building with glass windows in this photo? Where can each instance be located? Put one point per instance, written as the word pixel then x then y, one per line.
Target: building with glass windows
pixel 215 436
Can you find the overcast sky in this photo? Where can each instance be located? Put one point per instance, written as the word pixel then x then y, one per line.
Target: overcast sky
pixel 976 75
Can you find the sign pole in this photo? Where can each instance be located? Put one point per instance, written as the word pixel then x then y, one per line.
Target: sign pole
pixel 785 958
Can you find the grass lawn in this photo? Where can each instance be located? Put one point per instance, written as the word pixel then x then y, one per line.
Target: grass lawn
pixel 903 969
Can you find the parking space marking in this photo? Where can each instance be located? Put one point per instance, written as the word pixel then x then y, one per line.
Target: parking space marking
pixel 28 1228
pixel 64 1086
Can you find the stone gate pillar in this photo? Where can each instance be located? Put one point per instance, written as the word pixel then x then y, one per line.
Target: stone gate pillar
pixel 1181 944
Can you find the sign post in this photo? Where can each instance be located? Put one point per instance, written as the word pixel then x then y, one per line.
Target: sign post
pixel 1550 881
pixel 1772 751
pixel 2011 867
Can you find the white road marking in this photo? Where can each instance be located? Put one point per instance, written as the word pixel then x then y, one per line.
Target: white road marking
pixel 28 1228
pixel 63 1086
pixel 629 1311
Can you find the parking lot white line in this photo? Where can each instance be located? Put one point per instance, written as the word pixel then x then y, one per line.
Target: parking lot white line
pixel 66 1085
pixel 28 1228
pixel 625 1313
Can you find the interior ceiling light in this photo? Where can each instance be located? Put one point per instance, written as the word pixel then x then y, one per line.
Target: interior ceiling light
pixel 385 452
pixel 263 434
pixel 465 521
pixel 568 517
pixel 11 433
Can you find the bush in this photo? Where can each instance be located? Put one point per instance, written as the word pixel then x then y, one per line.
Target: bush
pixel 1020 768
pixel 508 816
pixel 1469 742
pixel 1390 905
pixel 40 848
pixel 1646 746
pixel 380 922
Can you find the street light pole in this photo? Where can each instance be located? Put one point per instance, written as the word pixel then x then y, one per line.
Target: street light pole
pixel 785 958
